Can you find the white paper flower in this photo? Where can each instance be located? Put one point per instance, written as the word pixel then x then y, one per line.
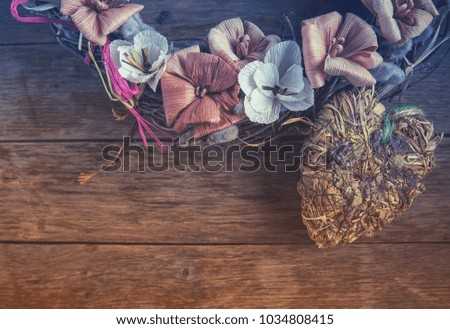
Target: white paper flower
pixel 144 60
pixel 275 85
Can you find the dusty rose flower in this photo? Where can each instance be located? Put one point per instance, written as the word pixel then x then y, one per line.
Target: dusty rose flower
pixel 242 41
pixel 402 20
pixel 199 89
pixel 97 18
pixel 333 47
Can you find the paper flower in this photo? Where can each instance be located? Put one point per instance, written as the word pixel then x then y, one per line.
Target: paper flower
pixel 276 84
pixel 242 41
pixel 199 89
pixel 97 18
pixel 402 20
pixel 335 48
pixel 142 61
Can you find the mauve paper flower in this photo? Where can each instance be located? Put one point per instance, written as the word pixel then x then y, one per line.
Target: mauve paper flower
pixel 242 41
pixel 199 89
pixel 142 61
pixel 97 18
pixel 335 48
pixel 276 84
pixel 402 20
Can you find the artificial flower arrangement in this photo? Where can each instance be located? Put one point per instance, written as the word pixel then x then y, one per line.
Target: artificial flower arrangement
pixel 243 86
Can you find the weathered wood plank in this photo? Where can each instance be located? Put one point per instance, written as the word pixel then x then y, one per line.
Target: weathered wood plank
pixel 102 276
pixel 45 93
pixel 14 32
pixel 41 201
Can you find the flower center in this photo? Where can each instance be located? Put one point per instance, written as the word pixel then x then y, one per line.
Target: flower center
pixel 277 90
pixel 133 60
pixel 402 11
pixel 242 46
pixel 201 91
pixel 100 5
pixel 336 46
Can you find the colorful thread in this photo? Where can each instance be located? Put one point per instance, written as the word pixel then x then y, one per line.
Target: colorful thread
pixel 36 19
pixel 118 89
pixel 389 124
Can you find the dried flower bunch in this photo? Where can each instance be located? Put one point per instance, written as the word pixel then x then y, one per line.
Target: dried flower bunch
pixel 246 86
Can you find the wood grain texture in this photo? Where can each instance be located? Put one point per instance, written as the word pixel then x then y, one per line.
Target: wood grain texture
pixel 41 201
pixel 14 32
pixel 185 240
pixel 101 276
pixel 48 94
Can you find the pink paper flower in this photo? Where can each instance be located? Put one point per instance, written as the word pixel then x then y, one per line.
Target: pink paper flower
pixel 200 89
pixel 402 20
pixel 97 18
pixel 242 41
pixel 332 47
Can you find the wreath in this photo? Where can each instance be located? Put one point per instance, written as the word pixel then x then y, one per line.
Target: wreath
pixel 361 164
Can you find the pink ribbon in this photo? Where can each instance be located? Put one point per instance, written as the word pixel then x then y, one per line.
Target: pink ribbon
pixel 126 91
pixel 36 19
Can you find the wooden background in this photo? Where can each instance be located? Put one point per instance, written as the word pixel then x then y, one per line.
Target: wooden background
pixel 184 240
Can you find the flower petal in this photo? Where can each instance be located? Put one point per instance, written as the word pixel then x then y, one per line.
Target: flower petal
pixel 272 41
pixel 153 82
pixel 367 59
pixel 69 7
pixel 146 38
pixel 266 76
pixel 177 95
pixel 154 56
pixel 293 79
pixel 227 98
pixel 301 101
pixel 357 75
pixel 261 101
pixel 247 77
pixel 256 36
pixel 226 120
pixel 358 35
pixel 210 71
pixel 317 34
pixel 284 55
pixel 201 110
pixel 266 112
pixel 114 50
pixel 133 75
pixel 86 19
pixel 384 11
pixel 225 37
pixel 113 18
pixel 217 42
pixel 176 64
pixel 422 20
pixel 426 5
